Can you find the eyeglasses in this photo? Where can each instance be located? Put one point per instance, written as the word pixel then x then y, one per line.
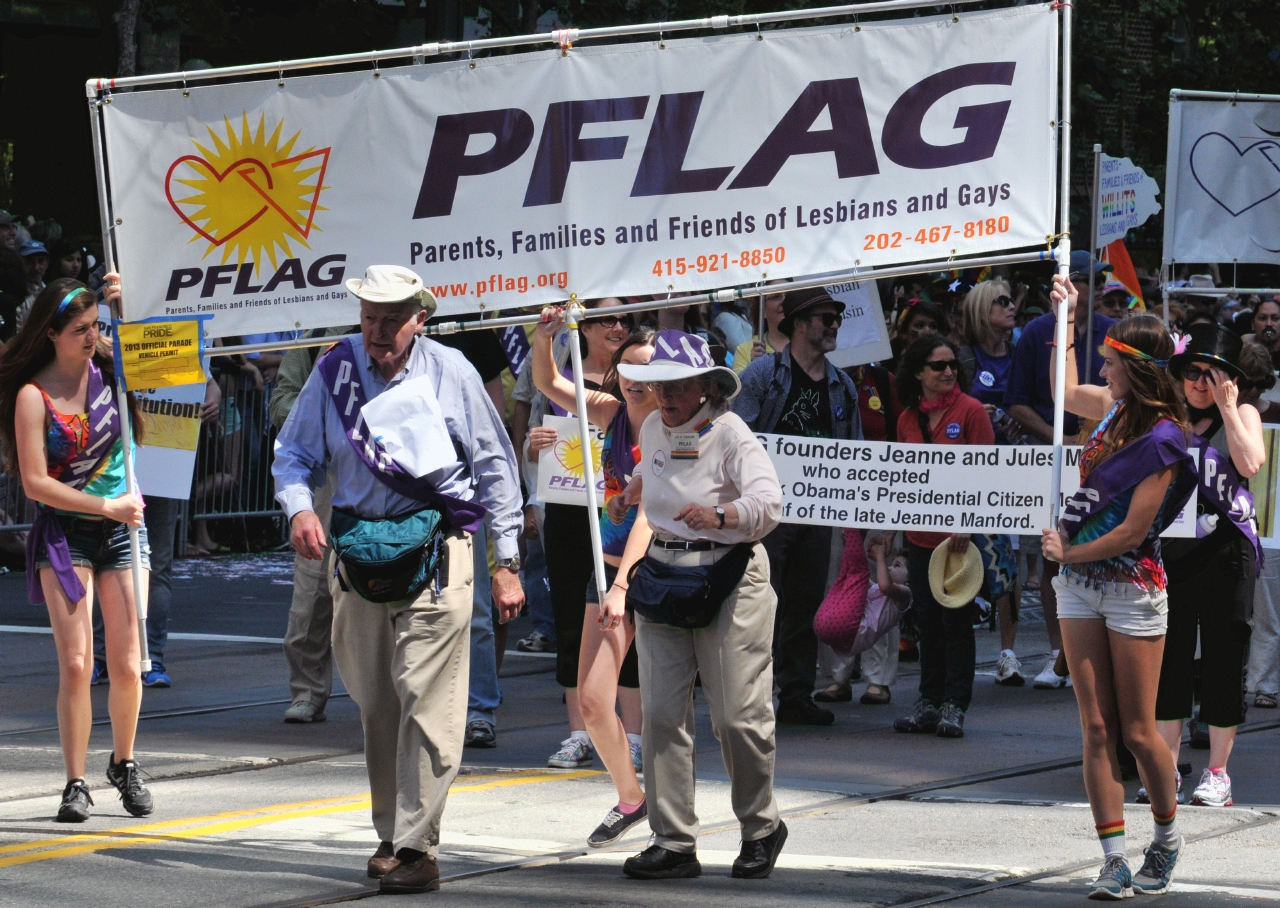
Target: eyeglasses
pixel 829 319
pixel 612 321
pixel 1003 302
pixel 671 388
pixel 1194 373
pixel 942 365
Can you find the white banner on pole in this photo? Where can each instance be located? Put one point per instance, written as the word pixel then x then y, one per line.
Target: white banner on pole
pixel 1126 199
pixel 1223 184
pixel 630 169
pixel 863 335
pixel 166 459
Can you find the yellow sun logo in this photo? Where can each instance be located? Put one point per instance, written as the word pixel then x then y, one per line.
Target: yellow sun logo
pixel 252 194
pixel 569 454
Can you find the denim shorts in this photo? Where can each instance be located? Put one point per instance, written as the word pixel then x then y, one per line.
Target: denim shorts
pixel 610 574
pixel 1126 607
pixel 100 544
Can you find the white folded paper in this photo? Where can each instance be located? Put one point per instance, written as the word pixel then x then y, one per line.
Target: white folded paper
pixel 407 421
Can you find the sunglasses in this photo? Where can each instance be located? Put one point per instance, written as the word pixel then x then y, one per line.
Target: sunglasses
pixel 942 365
pixel 829 319
pixel 672 388
pixel 1195 373
pixel 1003 302
pixel 612 321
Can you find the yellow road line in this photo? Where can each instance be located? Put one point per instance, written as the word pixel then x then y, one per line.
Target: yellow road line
pixel 230 821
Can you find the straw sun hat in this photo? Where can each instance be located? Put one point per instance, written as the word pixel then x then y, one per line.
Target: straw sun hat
pixel 955 579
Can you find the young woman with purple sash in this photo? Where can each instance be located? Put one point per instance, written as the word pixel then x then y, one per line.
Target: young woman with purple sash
pixel 60 432
pixel 1135 476
pixel 1212 576
pixel 605 647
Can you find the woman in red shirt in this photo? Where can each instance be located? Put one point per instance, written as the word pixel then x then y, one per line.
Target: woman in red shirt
pixel 937 411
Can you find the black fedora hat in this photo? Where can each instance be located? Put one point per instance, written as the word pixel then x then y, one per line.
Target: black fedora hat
pixel 800 301
pixel 1212 344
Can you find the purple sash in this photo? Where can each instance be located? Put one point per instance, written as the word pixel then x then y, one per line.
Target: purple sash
pixel 103 432
pixel 1164 446
pixel 338 369
pixel 515 343
pixel 1221 488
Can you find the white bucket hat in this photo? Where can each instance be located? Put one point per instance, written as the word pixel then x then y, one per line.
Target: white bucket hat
pixel 677 356
pixel 391 284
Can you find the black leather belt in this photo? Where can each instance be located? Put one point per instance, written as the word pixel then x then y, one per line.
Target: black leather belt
pixel 684 545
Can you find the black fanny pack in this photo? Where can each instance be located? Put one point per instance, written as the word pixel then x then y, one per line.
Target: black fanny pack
pixel 686 597
pixel 387 560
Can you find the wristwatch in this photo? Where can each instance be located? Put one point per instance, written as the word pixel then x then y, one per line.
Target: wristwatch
pixel 511 564
pixel 720 513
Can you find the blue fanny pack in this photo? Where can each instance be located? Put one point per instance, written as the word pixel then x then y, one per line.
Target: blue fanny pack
pixel 387 560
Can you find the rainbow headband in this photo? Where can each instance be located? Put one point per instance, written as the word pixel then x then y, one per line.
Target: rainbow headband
pixel 1134 351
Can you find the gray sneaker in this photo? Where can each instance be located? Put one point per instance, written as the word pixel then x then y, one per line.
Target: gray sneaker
pixel 573 753
pixel 923 719
pixel 1157 869
pixel 950 721
pixel 615 825
pixel 302 712
pixel 1115 882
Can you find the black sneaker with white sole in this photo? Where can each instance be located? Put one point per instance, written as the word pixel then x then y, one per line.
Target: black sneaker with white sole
pixel 75 802
pixel 127 778
pixel 615 825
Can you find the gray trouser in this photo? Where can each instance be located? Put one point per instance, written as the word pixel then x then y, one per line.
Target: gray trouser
pixel 1264 646
pixel 406 666
pixel 733 657
pixel 306 639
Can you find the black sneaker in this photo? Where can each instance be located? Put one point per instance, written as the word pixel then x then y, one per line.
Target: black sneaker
pixel 950 721
pixel 479 733
pixel 615 825
pixel 75 802
pixel 804 712
pixel 923 719
pixel 127 778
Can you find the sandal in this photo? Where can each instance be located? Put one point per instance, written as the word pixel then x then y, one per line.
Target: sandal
pixel 1265 701
pixel 836 693
pixel 876 695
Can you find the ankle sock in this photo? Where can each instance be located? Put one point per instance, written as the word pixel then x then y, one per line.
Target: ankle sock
pixel 628 809
pixel 1166 832
pixel 1111 835
pixel 580 736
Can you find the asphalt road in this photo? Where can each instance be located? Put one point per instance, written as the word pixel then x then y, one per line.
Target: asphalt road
pixel 253 812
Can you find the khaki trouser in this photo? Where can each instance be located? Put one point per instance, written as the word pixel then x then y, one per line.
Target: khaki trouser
pixel 306 639
pixel 733 657
pixel 406 666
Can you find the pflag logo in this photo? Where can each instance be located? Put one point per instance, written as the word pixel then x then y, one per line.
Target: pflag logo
pixel 250 193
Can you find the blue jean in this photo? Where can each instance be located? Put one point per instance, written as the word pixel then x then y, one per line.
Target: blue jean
pixel 537 589
pixel 161 520
pixel 483 694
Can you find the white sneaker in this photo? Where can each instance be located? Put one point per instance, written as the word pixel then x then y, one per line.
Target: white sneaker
pixel 573 752
pixel 1009 670
pixel 1048 679
pixel 637 756
pixel 1214 789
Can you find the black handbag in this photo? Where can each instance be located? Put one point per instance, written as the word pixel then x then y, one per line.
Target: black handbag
pixel 686 597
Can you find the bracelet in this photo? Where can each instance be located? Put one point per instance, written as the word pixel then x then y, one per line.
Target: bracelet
pixel 620 586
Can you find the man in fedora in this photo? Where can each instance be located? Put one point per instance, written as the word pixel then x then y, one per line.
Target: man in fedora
pixel 404 661
pixel 799 392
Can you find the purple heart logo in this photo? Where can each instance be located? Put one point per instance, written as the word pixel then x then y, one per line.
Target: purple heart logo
pixel 1236 178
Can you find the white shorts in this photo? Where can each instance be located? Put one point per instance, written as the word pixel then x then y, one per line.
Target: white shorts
pixel 1126 607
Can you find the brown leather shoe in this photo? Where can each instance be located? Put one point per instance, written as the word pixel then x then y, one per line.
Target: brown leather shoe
pixel 383 861
pixel 423 875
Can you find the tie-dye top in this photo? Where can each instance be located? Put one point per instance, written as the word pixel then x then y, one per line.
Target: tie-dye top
pixel 1142 566
pixel 618 467
pixel 66 440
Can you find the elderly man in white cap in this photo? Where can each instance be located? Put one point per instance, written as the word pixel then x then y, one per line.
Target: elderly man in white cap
pixel 418 459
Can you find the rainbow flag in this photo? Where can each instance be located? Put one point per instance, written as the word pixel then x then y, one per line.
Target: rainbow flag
pixel 1123 276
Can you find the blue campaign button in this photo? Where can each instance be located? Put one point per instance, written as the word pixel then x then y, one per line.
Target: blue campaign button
pixel 953 430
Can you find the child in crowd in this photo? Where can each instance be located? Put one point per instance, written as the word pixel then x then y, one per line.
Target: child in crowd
pixel 887 599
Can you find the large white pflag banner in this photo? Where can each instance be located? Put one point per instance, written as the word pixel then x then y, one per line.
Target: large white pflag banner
pixel 1222 188
pixel 646 168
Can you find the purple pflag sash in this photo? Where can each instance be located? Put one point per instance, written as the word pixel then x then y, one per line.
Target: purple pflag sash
pixel 1164 446
pixel 1222 489
pixel 103 432
pixel 338 369
pixel 515 343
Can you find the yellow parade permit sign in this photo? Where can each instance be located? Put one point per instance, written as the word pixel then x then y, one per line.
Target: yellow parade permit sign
pixel 160 354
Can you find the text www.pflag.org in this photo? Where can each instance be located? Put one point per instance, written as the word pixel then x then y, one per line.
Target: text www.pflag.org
pixel 502 283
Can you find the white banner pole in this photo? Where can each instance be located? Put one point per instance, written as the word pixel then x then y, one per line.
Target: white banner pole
pixel 126 434
pixel 1063 253
pixel 1093 251
pixel 574 315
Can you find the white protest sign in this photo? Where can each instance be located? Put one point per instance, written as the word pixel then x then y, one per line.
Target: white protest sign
pixel 615 170
pixel 1126 198
pixel 896 486
pixel 863 335
pixel 560 473
pixel 1223 181
pixel 171 433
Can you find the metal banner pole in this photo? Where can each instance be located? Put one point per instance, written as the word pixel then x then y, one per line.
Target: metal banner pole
pixel 1093 251
pixel 574 315
pixel 126 434
pixel 1063 254
pixel 1166 275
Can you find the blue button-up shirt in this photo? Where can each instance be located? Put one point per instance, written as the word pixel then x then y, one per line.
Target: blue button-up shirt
pixel 312 442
